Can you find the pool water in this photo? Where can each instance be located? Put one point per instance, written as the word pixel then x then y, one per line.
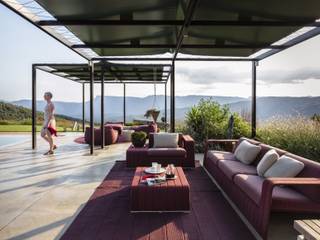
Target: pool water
pixel 12 139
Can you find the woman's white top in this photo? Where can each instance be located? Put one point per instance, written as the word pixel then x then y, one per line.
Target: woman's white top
pixel 48 115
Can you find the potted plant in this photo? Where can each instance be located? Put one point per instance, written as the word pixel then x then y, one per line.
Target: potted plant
pixel 138 139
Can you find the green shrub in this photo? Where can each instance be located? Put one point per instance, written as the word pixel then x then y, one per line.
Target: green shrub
pixel 297 135
pixel 209 119
pixel 139 138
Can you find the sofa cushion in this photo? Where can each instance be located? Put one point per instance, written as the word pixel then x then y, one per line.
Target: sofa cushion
pixel 247 152
pixel 167 152
pixel 216 156
pixel 285 167
pixel 231 168
pixel 165 140
pixel 282 197
pixel 266 162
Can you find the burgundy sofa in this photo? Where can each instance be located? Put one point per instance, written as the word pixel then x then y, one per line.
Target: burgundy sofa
pixel 111 135
pixel 181 156
pixel 147 128
pixel 258 197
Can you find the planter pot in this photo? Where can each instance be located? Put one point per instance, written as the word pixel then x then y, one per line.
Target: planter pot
pixel 139 144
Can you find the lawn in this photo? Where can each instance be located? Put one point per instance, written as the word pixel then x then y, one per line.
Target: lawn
pixel 25 128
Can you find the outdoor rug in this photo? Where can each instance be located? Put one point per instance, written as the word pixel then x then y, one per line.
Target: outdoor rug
pixel 107 215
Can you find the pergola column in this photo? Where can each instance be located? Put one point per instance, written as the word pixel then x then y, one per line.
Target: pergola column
pixel 165 106
pixel 83 107
pixel 172 99
pixel 254 99
pixel 34 107
pixel 102 107
pixel 91 66
pixel 124 103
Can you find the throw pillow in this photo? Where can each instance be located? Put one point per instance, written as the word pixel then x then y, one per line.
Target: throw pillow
pixel 267 161
pixel 247 152
pixel 285 167
pixel 165 140
pixel 126 135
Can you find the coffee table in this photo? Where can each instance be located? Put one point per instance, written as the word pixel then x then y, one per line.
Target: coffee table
pixel 171 196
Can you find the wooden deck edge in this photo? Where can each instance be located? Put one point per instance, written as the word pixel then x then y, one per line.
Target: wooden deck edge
pixel 235 208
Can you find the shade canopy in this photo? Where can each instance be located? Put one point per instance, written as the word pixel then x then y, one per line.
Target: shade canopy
pixel 113 73
pixel 199 27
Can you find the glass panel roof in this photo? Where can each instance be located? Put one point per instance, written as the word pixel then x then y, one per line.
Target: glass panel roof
pixel 145 27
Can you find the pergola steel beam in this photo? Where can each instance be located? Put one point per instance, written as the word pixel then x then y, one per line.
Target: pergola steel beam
pixel 172 99
pixel 165 107
pixel 102 108
pixel 34 106
pixel 182 46
pixel 124 103
pixel 310 34
pixel 42 29
pixel 254 100
pixel 240 23
pixel 91 106
pixel 214 59
pixel 83 107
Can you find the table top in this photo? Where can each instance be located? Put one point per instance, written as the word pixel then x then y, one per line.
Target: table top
pixel 179 181
pixel 309 228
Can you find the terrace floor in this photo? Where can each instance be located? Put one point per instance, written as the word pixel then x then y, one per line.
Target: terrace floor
pixel 40 195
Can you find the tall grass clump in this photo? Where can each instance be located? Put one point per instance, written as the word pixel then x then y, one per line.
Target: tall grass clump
pixel 297 135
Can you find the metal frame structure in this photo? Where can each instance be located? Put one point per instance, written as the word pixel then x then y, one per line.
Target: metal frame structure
pixel 267 50
pixel 99 79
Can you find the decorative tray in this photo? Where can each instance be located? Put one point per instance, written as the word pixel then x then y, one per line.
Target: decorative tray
pixel 151 170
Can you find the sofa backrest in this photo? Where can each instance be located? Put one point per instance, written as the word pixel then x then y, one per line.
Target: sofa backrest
pixel 264 149
pixel 151 140
pixel 311 170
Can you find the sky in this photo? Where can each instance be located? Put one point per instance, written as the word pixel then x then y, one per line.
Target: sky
pixel 293 72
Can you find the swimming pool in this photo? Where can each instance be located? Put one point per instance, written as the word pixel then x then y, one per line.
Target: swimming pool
pixel 6 140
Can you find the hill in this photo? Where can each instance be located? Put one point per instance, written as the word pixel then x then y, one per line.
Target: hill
pixel 11 114
pixel 267 107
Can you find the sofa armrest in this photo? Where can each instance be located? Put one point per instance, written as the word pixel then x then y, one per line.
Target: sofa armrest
pixel 269 184
pixel 266 196
pixel 188 145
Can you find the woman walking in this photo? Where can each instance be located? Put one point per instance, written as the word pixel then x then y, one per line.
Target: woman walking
pixel 49 123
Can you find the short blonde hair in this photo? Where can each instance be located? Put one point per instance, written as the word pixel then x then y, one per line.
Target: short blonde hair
pixel 48 94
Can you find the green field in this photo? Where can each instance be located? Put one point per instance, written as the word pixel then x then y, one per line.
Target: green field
pixel 27 128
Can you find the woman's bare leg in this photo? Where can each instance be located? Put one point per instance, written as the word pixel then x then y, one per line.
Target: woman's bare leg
pixel 44 135
pixel 50 140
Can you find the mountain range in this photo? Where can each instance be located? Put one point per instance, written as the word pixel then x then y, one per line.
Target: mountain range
pixel 136 107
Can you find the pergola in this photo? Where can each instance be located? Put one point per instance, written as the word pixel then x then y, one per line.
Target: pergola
pixel 220 30
pixel 103 73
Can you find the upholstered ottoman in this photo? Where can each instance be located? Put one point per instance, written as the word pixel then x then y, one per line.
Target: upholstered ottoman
pixel 171 196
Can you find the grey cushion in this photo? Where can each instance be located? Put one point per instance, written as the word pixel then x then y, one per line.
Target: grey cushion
pixel 285 167
pixel 247 152
pixel 165 140
pixel 266 162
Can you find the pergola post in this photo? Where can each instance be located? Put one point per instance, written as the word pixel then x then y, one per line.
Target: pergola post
pixel 254 99
pixel 34 107
pixel 124 104
pixel 102 107
pixel 165 106
pixel 83 108
pixel 172 99
pixel 91 105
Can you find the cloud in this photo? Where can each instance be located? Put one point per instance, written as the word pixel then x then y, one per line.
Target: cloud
pixel 209 75
pixel 288 76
